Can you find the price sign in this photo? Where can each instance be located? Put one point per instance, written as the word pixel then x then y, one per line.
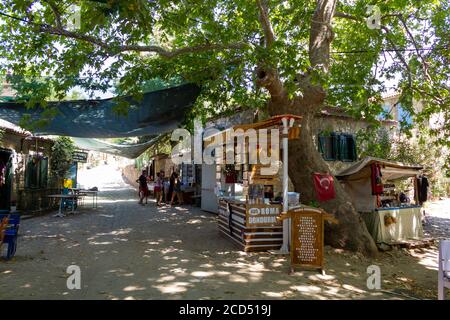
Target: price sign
pixel 307 239
pixel 307 236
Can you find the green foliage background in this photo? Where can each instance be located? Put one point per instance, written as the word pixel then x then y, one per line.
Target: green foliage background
pixel 61 157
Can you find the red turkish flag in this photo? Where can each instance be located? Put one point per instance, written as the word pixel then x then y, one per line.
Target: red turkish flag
pixel 324 186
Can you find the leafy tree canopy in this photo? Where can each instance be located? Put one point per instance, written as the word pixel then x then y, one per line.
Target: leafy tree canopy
pixel 222 43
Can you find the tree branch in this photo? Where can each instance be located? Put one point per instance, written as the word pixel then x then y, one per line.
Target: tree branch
pixel 265 22
pixel 397 50
pixel 59 31
pixel 56 12
pixel 346 16
pixel 321 34
pixel 416 46
pixel 398 54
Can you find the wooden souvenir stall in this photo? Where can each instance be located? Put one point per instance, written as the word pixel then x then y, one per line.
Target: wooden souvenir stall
pixel 250 195
pixel 391 214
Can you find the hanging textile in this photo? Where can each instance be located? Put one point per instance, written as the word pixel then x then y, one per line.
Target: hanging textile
pixel 2 172
pixel 230 174
pixel 324 186
pixel 377 183
pixel 422 188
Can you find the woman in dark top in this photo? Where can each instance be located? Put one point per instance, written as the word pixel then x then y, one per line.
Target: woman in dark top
pixel 177 190
pixel 143 187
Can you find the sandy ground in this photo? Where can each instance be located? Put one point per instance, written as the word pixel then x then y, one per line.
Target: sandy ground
pixel 128 251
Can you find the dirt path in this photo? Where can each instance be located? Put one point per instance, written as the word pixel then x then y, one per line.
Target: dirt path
pixel 128 251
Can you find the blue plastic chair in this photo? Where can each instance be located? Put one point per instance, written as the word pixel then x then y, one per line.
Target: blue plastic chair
pixel 11 233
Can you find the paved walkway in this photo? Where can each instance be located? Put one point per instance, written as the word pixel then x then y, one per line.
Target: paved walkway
pixel 128 251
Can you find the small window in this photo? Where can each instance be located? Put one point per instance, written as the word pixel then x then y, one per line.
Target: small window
pixel 337 146
pixel 327 146
pixel 36 172
pixel 347 148
pixel 386 113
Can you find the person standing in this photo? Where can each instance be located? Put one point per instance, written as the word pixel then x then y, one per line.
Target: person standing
pixel 158 186
pixel 143 187
pixel 162 178
pixel 177 190
pixel 171 185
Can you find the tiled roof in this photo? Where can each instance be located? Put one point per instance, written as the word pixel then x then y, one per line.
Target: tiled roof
pixel 16 130
pixel 331 111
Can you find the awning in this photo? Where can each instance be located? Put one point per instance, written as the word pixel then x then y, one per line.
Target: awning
pixel 158 112
pixel 391 170
pixel 130 151
pixel 265 124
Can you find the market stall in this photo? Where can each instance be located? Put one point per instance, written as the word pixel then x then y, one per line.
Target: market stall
pixel 250 195
pixel 388 203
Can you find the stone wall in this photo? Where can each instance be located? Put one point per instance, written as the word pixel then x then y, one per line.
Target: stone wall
pixel 130 174
pixel 35 201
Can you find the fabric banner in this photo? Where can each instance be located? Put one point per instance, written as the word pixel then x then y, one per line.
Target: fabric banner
pixel 157 112
pixel 324 186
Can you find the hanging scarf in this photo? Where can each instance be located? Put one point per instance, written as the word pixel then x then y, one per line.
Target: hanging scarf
pixel 377 183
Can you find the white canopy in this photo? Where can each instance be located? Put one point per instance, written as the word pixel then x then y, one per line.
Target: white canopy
pixel 391 170
pixel 356 179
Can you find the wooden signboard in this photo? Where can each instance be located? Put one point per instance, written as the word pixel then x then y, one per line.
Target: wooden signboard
pixel 80 156
pixel 307 236
pixel 307 239
pixel 260 215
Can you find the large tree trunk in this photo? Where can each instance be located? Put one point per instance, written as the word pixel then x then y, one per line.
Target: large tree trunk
pixel 304 159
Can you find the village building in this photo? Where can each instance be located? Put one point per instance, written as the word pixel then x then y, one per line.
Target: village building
pixel 24 159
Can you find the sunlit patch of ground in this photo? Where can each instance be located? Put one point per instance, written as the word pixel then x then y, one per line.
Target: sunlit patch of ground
pixel 129 251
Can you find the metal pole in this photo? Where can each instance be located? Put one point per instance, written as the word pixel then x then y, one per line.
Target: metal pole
pixel 286 222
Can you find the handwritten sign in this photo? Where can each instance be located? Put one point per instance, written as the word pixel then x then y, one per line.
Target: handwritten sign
pixel 307 239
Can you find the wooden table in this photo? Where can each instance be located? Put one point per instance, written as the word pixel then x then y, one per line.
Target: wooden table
pixel 62 197
pixel 84 192
pixel 94 195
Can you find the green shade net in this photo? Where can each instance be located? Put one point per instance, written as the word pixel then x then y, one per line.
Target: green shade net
pixel 130 151
pixel 157 112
